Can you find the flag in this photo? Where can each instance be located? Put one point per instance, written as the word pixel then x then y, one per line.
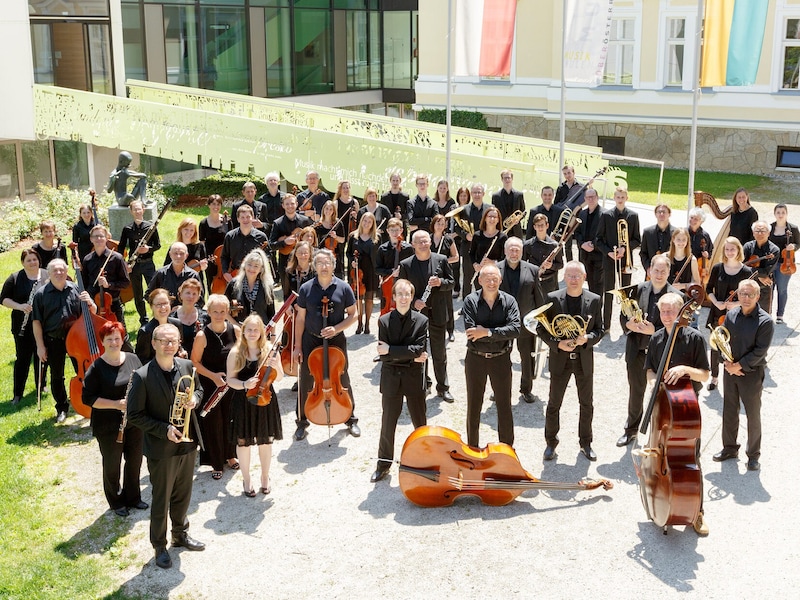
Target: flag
pixel 587 29
pixel 484 37
pixel 733 34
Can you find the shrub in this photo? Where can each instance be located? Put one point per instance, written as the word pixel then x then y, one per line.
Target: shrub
pixel 225 183
pixel 459 118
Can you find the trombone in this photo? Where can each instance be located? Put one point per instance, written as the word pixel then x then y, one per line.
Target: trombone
pixel 180 416
pixel 560 230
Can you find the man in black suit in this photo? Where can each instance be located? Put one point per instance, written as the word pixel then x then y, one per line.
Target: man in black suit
pixel 572 356
pixel 548 209
pixel 508 201
pixel 170 458
pixel 171 276
pixel 433 279
pixel 586 236
pixel 402 339
pixel 638 332
pixel 614 253
pixel 656 238
pixel 521 280
pixel 422 208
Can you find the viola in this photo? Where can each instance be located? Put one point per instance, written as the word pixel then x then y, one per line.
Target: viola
pixel 388 282
pixel 436 467
pixel 357 278
pixel 218 284
pixel 83 345
pixel 787 256
pixel 668 467
pixel 702 262
pixel 328 403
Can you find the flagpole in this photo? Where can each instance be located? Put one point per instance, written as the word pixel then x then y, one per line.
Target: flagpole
pixel 562 128
pixel 448 112
pixel 695 102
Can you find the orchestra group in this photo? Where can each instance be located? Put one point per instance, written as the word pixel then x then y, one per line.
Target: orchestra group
pixel 202 368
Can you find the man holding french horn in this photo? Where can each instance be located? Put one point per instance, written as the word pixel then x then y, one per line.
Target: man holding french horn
pixel 570 325
pixel 160 401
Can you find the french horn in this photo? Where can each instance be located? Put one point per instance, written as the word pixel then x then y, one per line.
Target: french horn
pixel 562 327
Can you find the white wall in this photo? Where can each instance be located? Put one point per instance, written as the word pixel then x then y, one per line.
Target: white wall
pixel 16 72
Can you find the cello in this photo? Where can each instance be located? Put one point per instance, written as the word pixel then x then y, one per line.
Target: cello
pixel 83 345
pixel 328 403
pixel 436 467
pixel 668 467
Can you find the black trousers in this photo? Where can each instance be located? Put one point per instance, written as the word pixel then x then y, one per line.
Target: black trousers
pixel 467 271
pixel 526 345
pixel 637 384
pixel 610 283
pixel 130 494
pixel 26 351
pixel 56 355
pixel 594 271
pixel 437 340
pixel 403 381
pixel 141 270
pixel 171 479
pixel 306 383
pixel 746 390
pixel 498 371
pixel 558 385
pixel 456 276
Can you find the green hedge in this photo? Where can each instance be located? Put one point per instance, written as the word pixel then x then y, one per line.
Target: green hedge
pixel 459 118
pixel 224 183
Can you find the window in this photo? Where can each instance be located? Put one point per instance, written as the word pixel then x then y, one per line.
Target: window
pixel 278 38
pixel 791 55
pixel 133 42
pixel 676 40
pixel 619 60
pixel 397 50
pixel 788 158
pixel 363 50
pixel 313 51
pixel 611 144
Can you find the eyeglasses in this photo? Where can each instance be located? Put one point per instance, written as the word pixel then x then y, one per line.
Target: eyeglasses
pixel 662 212
pixel 167 342
pixel 161 305
pixel 760 230
pixel 747 294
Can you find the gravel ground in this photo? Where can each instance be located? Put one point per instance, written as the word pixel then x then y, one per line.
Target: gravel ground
pixel 325 531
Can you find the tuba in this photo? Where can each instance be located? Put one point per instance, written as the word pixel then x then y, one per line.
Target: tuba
pixel 180 416
pixel 562 327
pixel 720 341
pixel 628 306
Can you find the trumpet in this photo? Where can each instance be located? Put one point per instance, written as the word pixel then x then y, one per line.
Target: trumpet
pixel 562 327
pixel 180 416
pixel 512 220
pixel 720 341
pixel 628 306
pixel 623 240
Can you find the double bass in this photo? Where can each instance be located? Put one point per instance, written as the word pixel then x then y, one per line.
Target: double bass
pixel 668 467
pixel 436 467
pixel 83 345
pixel 328 403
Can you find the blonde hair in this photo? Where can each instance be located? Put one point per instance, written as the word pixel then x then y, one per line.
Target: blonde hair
pixel 240 348
pixel 256 255
pixel 185 222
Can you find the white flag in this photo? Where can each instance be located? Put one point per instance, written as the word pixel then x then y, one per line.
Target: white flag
pixel 586 33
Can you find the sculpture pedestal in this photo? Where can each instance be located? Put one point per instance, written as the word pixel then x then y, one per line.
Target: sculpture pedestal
pixel 119 216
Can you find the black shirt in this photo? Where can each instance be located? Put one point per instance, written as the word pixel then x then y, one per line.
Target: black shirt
pixel 387 258
pixel 421 211
pixel 535 251
pixel 259 212
pixel 282 227
pixel 108 381
pixel 689 350
pixel 237 245
pixel 131 236
pixel 318 200
pixel 767 265
pixel 310 298
pixel 502 319
pixel 553 214
pixel 212 237
pixel 167 278
pixel 481 243
pixel 116 272
pixel 56 309
pixel 17 287
pixel 751 336
pixel 57 251
pixel 393 201
pixel 81 234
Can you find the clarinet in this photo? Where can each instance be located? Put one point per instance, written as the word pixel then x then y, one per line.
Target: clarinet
pixel 28 314
pixel 124 423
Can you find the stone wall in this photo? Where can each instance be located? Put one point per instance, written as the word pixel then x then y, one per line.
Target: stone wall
pixel 718 148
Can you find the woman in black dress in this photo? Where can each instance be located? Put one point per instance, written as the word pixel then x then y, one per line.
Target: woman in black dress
pixel 742 217
pixel 679 253
pixel 160 307
pixel 17 294
pixel 196 257
pixel 105 390
pixel 252 287
pixel 443 243
pixel 484 240
pixel 331 235
pixel 212 344
pixel 211 234
pixel 365 241
pixel 253 425
pixel 187 312
pixel 724 279
pixel 81 231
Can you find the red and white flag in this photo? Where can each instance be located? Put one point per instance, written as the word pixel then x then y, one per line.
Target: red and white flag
pixel 484 37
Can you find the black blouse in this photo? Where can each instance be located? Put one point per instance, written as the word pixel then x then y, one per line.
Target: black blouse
pixel 111 382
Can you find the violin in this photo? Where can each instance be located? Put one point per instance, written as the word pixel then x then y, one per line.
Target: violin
pixel 287 250
pixel 668 467
pixel 261 395
pixel 83 345
pixel 218 284
pixel 787 256
pixel 103 301
pixel 702 262
pixel 357 277
pixel 328 403
pixel 436 467
pixel 387 284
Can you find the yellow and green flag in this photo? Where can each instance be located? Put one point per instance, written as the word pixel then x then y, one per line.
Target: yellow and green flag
pixel 733 34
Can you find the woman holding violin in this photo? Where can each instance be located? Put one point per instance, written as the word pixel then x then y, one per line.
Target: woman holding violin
pixel 212 345
pixel 192 318
pixel 254 424
pixel 700 241
pixel 379 211
pixel 784 235
pixel 160 307
pixel 443 243
pixel 211 234
pixel 362 252
pixel 681 274
pixel 17 294
pixel 721 292
pixel 331 234
pixel 105 389
pixel 196 257
pixel 251 289
pixel 82 229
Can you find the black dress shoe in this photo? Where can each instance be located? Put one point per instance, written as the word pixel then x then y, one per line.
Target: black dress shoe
pixel 354 429
pixel 184 541
pixel 294 386
pixel 15 400
pixel 300 434
pixel 588 452
pixel 379 474
pixel 625 439
pixel 711 386
pixel 529 397
pixel 725 454
pixel 447 396
pixel 141 505
pixel 753 465
pixel 550 453
pixel 122 511
pixel 162 558
pixel 451 337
